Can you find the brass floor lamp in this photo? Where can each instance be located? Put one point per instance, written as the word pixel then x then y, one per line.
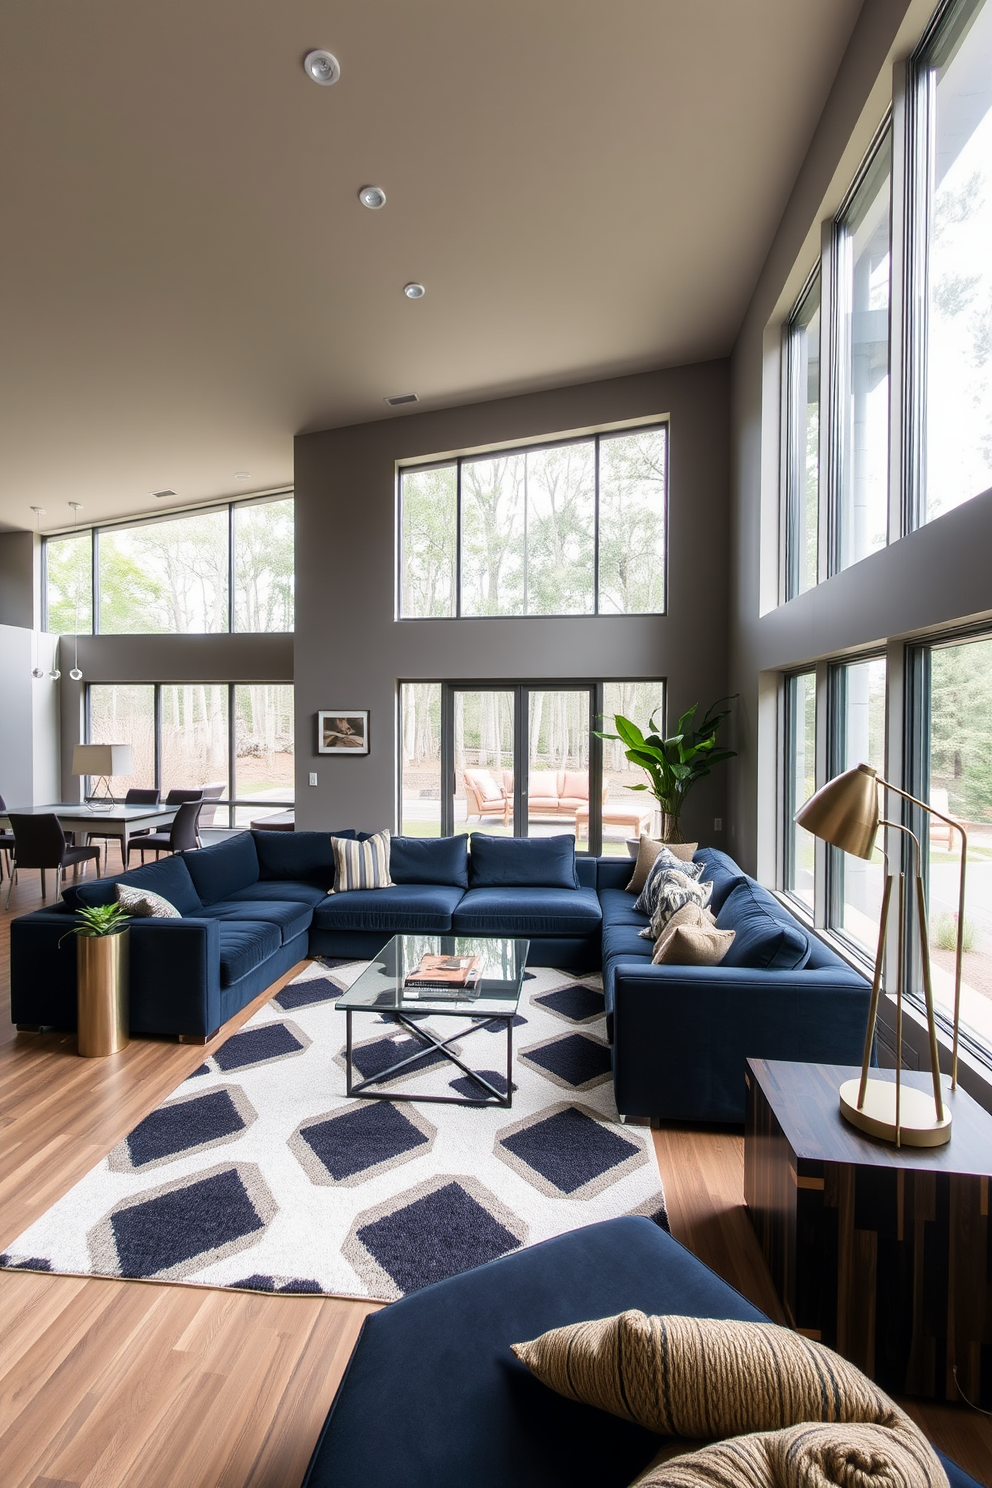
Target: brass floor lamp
pixel 845 813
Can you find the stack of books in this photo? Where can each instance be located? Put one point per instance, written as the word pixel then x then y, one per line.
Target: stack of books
pixel 444 974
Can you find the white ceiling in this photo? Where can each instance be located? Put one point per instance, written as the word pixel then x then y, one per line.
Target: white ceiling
pixel 586 188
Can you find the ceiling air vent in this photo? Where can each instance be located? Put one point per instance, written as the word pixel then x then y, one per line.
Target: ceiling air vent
pixel 401 398
pixel 161 494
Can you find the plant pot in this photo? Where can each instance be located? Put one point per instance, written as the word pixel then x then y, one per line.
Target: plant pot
pixel 671 828
pixel 102 993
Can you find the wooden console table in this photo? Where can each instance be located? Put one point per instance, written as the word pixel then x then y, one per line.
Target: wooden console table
pixel 883 1253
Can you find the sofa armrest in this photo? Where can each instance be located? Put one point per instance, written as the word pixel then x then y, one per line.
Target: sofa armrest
pixel 175 977
pixel 681 1034
pixel 174 980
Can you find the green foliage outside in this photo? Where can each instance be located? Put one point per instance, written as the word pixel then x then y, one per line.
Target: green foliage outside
pixel 171 577
pixel 961 728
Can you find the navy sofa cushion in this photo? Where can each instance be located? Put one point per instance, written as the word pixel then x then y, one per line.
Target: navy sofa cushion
pixel 300 857
pixel 429 860
pixel 224 868
pixel 618 909
pixel 289 916
pixel 763 940
pixel 416 909
pixel 169 877
pixel 523 862
pixel 470 1413
pixel 517 911
pixel 721 871
pixel 268 890
pixel 245 944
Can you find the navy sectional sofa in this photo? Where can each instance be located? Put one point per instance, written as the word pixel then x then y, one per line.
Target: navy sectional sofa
pixel 258 903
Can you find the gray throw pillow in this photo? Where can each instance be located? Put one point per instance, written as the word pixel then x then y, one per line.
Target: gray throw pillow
pixel 142 904
pixel 666 862
pixel 674 891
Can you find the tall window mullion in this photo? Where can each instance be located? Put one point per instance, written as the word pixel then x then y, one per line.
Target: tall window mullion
pixel 799 847
pixel 802 443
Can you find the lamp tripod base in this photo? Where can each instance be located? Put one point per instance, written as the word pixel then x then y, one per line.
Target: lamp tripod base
pixel 918 1124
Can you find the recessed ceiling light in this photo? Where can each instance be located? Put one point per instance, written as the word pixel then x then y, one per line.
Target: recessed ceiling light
pixel 400 399
pixel 160 495
pixel 414 291
pixel 372 197
pixel 242 475
pixel 323 67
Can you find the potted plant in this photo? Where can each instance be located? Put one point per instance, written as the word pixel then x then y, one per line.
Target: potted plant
pixel 673 765
pixel 101 932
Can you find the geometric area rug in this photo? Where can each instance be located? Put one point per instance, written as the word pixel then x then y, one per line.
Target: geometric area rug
pixel 259 1173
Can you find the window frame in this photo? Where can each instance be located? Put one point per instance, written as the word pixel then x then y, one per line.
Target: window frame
pixel 794 464
pixel 788 780
pixel 156 519
pixel 836 724
pixel 457 462
pixel 231 802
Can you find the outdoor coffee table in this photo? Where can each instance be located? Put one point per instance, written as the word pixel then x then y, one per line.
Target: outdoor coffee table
pixel 493 1000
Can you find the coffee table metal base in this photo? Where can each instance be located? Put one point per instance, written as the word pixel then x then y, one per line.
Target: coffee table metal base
pixel 430 1041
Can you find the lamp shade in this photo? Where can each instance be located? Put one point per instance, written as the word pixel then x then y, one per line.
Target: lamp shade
pixel 844 812
pixel 102 759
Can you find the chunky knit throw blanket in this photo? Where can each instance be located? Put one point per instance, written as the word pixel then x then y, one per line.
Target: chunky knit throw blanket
pixel 797 1414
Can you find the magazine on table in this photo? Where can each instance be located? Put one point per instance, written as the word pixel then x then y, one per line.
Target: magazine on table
pixel 445 973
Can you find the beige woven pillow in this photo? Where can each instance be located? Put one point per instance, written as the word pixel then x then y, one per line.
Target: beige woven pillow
pixel 142 904
pixel 648 850
pixel 691 914
pixel 693 945
pixel 705 1379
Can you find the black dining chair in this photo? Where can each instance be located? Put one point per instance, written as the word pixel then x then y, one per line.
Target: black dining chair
pixel 137 796
pixel 39 842
pixel 6 843
pixel 181 836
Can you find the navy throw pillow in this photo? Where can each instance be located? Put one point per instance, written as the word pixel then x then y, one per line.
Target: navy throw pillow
pixel 298 857
pixel 224 868
pixel 429 860
pixel 762 941
pixel 523 862
pixel 167 876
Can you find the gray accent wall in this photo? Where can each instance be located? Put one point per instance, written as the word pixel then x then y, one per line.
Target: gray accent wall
pixel 351 651
pixel 18 557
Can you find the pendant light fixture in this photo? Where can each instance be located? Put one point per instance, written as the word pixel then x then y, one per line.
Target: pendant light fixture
pixel 75 673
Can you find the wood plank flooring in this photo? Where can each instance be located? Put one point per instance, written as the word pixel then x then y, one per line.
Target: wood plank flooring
pixel 108 1384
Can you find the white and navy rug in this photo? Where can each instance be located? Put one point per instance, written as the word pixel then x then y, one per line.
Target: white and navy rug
pixel 260 1173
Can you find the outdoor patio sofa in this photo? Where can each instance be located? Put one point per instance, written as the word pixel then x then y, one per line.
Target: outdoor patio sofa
pixel 257 903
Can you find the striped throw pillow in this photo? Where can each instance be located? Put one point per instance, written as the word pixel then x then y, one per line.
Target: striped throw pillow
pixel 361 865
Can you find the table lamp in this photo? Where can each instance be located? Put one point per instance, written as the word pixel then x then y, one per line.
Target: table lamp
pixel 845 813
pixel 102 760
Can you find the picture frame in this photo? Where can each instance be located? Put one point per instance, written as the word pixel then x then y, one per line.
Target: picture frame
pixel 342 731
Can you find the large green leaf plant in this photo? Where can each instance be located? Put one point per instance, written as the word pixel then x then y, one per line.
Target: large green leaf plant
pixel 673 765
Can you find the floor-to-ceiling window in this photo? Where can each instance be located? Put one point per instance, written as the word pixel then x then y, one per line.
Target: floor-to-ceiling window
pixel 799 784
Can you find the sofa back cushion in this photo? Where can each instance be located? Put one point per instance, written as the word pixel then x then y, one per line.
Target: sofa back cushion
pixel 721 871
pixel 523 862
pixel 299 857
pixel 168 877
pixel 224 868
pixel 767 937
pixel 429 860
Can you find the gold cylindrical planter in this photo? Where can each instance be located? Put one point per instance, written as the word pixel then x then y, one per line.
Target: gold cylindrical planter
pixel 102 986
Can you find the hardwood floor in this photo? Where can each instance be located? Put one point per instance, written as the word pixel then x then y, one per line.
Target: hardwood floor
pixel 106 1383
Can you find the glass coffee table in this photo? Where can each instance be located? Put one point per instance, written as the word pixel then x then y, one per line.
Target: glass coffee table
pixel 493 1000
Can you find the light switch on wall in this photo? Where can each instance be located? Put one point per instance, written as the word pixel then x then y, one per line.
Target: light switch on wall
pixel 717 820
pixel 313 777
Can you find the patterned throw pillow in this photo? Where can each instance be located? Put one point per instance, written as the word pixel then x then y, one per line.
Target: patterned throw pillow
pixel 361 865
pixel 144 905
pixel 674 890
pixel 666 862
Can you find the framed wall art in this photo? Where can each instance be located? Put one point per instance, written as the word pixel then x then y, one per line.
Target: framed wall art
pixel 342 731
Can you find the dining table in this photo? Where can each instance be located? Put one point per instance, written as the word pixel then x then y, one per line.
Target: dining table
pixel 81 817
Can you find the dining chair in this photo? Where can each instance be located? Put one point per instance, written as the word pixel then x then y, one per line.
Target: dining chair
pixel 181 836
pixel 39 842
pixel 6 843
pixel 137 796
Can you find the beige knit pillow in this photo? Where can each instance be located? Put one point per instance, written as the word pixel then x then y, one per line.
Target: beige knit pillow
pixel 691 914
pixel 693 945
pixel 707 1379
pixel 648 850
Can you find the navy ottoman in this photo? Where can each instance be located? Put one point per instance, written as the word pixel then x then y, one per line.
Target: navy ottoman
pixel 433 1395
